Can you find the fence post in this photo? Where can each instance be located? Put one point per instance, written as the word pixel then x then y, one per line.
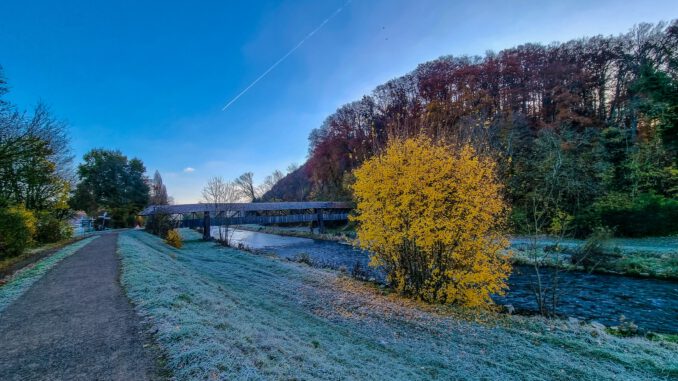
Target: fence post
pixel 206 236
pixel 321 223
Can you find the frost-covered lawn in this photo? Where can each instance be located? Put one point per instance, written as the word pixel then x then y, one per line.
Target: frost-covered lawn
pixel 23 279
pixel 226 314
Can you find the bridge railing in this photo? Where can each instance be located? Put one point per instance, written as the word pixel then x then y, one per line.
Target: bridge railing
pixel 253 213
pixel 264 220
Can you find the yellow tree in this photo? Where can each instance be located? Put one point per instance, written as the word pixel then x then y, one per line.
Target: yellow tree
pixel 432 216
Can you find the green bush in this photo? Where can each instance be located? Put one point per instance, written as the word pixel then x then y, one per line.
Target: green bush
pixel 122 217
pixel 646 215
pixel 51 229
pixel 17 229
pixel 160 224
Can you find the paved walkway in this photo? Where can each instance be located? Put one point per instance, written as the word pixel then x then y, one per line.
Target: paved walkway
pixel 76 324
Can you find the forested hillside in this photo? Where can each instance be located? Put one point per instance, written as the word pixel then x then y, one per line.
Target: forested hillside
pixel 584 131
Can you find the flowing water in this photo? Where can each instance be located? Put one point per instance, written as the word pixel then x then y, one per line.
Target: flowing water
pixel 651 304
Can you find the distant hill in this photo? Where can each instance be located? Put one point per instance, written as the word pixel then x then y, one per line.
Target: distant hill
pixel 293 187
pixel 592 122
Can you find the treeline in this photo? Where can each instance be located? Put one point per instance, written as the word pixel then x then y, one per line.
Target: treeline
pixel 584 132
pixel 40 190
pixel 35 176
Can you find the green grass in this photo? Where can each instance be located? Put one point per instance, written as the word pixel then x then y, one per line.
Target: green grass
pixel 22 280
pixel 226 314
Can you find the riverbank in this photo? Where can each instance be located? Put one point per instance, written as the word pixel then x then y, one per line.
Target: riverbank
pixel 637 257
pixel 222 313
pixel 339 234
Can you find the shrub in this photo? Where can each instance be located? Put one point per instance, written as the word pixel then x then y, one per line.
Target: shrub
pixel 159 224
pixel 358 272
pixel 592 252
pixel 432 217
pixel 50 229
pixel 122 217
pixel 645 215
pixel 173 239
pixel 17 229
pixel 304 258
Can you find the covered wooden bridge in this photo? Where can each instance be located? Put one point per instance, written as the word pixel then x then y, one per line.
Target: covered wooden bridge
pixel 206 215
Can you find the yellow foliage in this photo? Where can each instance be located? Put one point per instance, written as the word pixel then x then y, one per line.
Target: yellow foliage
pixel 432 217
pixel 18 227
pixel 173 238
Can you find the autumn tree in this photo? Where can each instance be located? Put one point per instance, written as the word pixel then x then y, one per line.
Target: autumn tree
pixel 433 218
pixel 608 102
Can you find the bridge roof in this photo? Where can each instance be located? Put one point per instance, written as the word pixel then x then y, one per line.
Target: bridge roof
pixel 242 206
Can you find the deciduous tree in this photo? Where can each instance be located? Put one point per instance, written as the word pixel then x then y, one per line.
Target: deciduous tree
pixel 111 182
pixel 220 193
pixel 433 219
pixel 246 187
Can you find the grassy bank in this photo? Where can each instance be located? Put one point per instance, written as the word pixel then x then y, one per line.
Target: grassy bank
pixel 642 257
pixel 226 314
pixel 32 255
pixel 16 284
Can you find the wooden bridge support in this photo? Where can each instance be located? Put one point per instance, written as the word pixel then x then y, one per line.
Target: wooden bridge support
pixel 206 228
pixel 321 223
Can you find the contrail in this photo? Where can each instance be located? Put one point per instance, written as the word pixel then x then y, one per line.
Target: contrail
pixel 314 31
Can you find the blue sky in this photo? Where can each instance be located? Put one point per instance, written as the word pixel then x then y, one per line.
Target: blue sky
pixel 151 78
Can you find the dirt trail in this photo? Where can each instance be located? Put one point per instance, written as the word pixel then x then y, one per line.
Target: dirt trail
pixel 76 323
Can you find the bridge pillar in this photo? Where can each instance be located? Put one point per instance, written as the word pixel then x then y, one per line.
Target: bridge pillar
pixel 321 223
pixel 206 236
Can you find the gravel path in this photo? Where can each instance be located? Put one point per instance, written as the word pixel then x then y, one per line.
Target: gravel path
pixel 75 323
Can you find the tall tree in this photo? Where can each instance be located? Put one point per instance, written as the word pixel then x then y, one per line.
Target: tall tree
pixel 111 182
pixel 245 185
pixel 35 158
pixel 158 191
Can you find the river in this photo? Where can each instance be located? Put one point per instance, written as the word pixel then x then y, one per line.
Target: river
pixel 651 304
